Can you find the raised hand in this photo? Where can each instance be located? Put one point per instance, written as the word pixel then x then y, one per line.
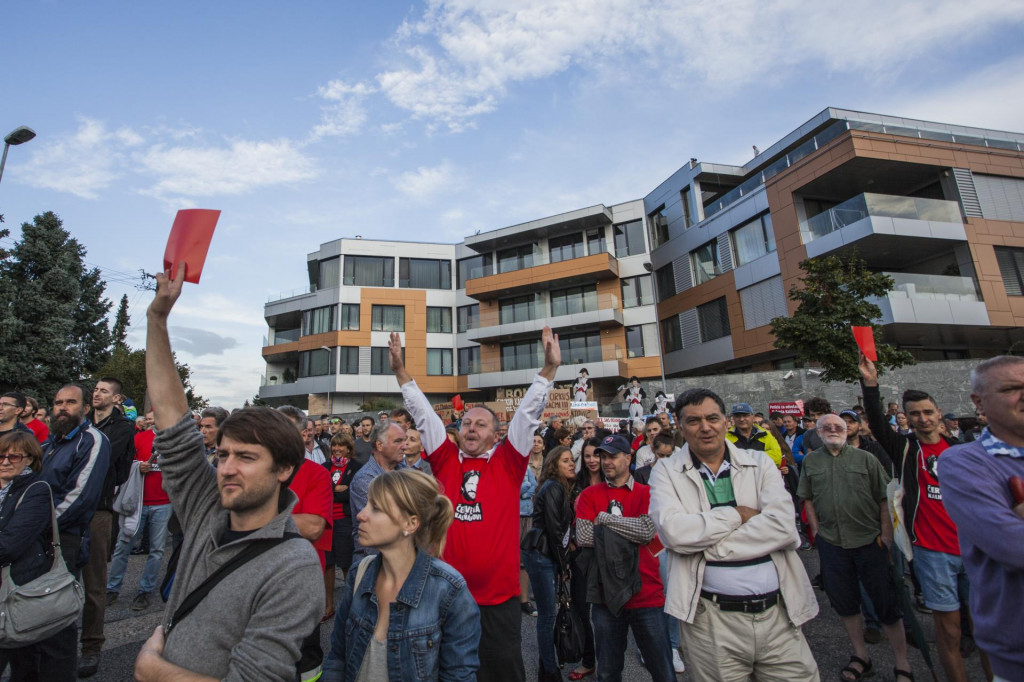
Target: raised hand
pixel 868 371
pixel 167 292
pixel 395 359
pixel 552 354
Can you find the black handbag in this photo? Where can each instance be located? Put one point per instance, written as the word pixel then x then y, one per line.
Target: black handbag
pixel 569 635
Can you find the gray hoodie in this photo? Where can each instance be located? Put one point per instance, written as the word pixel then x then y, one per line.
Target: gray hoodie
pixel 250 626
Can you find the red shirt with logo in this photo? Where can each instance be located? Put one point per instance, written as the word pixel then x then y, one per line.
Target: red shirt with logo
pixel 933 529
pixel 483 540
pixel 153 482
pixel 630 503
pixel 312 485
pixel 336 473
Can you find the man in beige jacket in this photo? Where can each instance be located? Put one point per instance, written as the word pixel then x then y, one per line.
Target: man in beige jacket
pixel 735 581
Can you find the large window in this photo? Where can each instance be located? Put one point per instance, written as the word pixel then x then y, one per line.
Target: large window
pixel 684 199
pixel 521 355
pixel 659 227
pixel 469 360
pixel 671 335
pixel 518 309
pixel 636 291
pixel 1011 266
pixel 349 316
pixel 328 274
pixel 595 242
pixel 424 273
pixel 315 363
pixel 387 318
pixel 318 320
pixel 574 300
pixel 439 362
pixel 380 360
pixel 753 240
pixel 468 317
pixel 635 342
pixel 473 267
pixel 665 276
pixel 439 320
pixel 580 348
pixel 349 356
pixel 516 258
pixel 566 248
pixel 629 239
pixel 714 319
pixel 706 265
pixel 370 271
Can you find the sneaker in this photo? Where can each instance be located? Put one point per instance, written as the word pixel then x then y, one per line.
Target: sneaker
pixel 111 598
pixel 818 582
pixel 919 604
pixel 529 609
pixel 805 546
pixel 89 664
pixel 872 635
pixel 139 550
pixel 141 601
pixel 677 662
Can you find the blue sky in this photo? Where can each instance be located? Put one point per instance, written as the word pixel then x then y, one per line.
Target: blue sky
pixel 305 122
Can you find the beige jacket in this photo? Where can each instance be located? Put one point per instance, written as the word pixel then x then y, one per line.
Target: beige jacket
pixel 693 533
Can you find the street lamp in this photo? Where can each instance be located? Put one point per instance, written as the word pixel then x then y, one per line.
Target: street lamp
pixel 657 324
pixel 19 135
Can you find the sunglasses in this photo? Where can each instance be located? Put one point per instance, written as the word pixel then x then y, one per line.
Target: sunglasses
pixel 12 458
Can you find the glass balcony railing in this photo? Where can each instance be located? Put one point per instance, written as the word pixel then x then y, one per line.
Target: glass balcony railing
pixel 881 205
pixel 522 262
pixel 570 356
pixel 935 287
pixel 285 336
pixel 542 310
pixel 288 294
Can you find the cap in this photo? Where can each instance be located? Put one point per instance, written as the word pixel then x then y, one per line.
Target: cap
pixel 950 416
pixel 742 408
pixel 614 445
pixel 851 414
pixel 806 418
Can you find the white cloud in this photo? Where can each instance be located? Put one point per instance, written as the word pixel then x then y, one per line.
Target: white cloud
pixel 82 163
pixel 463 55
pixel 346 113
pixel 425 182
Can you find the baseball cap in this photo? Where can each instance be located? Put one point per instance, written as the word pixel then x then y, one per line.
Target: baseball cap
pixel 851 414
pixel 950 415
pixel 742 408
pixel 806 418
pixel 614 445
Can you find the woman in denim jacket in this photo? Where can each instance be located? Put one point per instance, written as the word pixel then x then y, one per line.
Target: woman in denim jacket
pixel 404 614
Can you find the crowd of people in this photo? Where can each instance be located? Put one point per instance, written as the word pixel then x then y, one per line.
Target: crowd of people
pixel 426 543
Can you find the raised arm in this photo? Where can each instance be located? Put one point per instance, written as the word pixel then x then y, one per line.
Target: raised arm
pixel 166 393
pixel 429 425
pixel 894 443
pixel 527 418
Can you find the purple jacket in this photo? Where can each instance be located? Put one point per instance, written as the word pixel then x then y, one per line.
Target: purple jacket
pixel 976 493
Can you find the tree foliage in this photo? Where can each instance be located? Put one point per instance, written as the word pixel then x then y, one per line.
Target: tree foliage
pixel 378 404
pixel 121 324
pixel 832 298
pixel 53 326
pixel 129 366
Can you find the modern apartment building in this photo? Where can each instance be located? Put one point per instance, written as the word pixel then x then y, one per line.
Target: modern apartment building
pixel 471 314
pixel 939 207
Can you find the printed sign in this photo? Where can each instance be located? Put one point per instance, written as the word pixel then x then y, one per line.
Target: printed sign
pixel 794 407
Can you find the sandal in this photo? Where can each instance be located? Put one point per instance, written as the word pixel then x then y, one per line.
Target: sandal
pixel 896 673
pixel 580 673
pixel 866 670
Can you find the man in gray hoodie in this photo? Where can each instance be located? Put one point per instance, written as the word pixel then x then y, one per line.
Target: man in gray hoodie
pixel 250 625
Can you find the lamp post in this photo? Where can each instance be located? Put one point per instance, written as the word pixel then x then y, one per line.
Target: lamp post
pixel 657 323
pixel 19 135
pixel 330 408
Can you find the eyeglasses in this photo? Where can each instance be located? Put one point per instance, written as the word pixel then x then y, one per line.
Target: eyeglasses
pixel 8 405
pixel 836 428
pixel 12 458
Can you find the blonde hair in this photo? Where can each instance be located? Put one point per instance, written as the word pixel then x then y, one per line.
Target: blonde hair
pixel 414 493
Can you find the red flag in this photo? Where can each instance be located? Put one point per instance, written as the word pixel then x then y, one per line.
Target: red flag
pixel 865 338
pixel 457 403
pixel 189 241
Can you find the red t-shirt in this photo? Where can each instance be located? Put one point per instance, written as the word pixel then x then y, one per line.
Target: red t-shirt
pixel 637 442
pixel 336 474
pixel 153 482
pixel 632 503
pixel 312 485
pixel 39 429
pixel 483 540
pixel 933 529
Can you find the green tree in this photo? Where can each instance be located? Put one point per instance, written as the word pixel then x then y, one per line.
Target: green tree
pixel 256 401
pixel 129 366
pixel 832 298
pixel 121 324
pixel 53 326
pixel 378 404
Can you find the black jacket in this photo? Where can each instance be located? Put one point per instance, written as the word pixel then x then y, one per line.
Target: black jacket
pixel 614 575
pixel 25 535
pixel 121 434
pixel 342 498
pixel 903 450
pixel 553 515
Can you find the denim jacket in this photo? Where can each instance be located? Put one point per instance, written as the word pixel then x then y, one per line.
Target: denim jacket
pixel 526 492
pixel 433 631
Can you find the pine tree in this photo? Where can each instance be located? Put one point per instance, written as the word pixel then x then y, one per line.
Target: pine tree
pixel 53 327
pixel 121 324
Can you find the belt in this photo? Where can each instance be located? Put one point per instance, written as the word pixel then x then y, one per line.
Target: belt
pixel 753 603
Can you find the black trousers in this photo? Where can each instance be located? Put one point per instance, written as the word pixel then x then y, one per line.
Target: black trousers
pixel 55 659
pixel 501 643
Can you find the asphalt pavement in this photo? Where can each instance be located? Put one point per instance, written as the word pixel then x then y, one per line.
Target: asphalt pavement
pixel 126 630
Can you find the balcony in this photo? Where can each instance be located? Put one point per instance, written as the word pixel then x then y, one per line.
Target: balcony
pixel 528 320
pixel 932 299
pixel 605 361
pixel 537 271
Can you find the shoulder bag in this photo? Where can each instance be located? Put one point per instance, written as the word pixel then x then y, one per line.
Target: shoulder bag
pixel 569 642
pixel 42 607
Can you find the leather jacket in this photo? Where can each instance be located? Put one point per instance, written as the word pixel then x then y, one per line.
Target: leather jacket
pixel 553 515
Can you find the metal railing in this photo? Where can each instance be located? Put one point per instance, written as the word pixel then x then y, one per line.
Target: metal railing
pixel 542 310
pixel 603 353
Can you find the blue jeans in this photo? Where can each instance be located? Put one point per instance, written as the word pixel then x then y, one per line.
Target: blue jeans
pixel 671 622
pixel 651 637
pixel 542 578
pixel 155 518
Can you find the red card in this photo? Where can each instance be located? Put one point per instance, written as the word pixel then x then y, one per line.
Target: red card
pixel 457 403
pixel 865 337
pixel 189 242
